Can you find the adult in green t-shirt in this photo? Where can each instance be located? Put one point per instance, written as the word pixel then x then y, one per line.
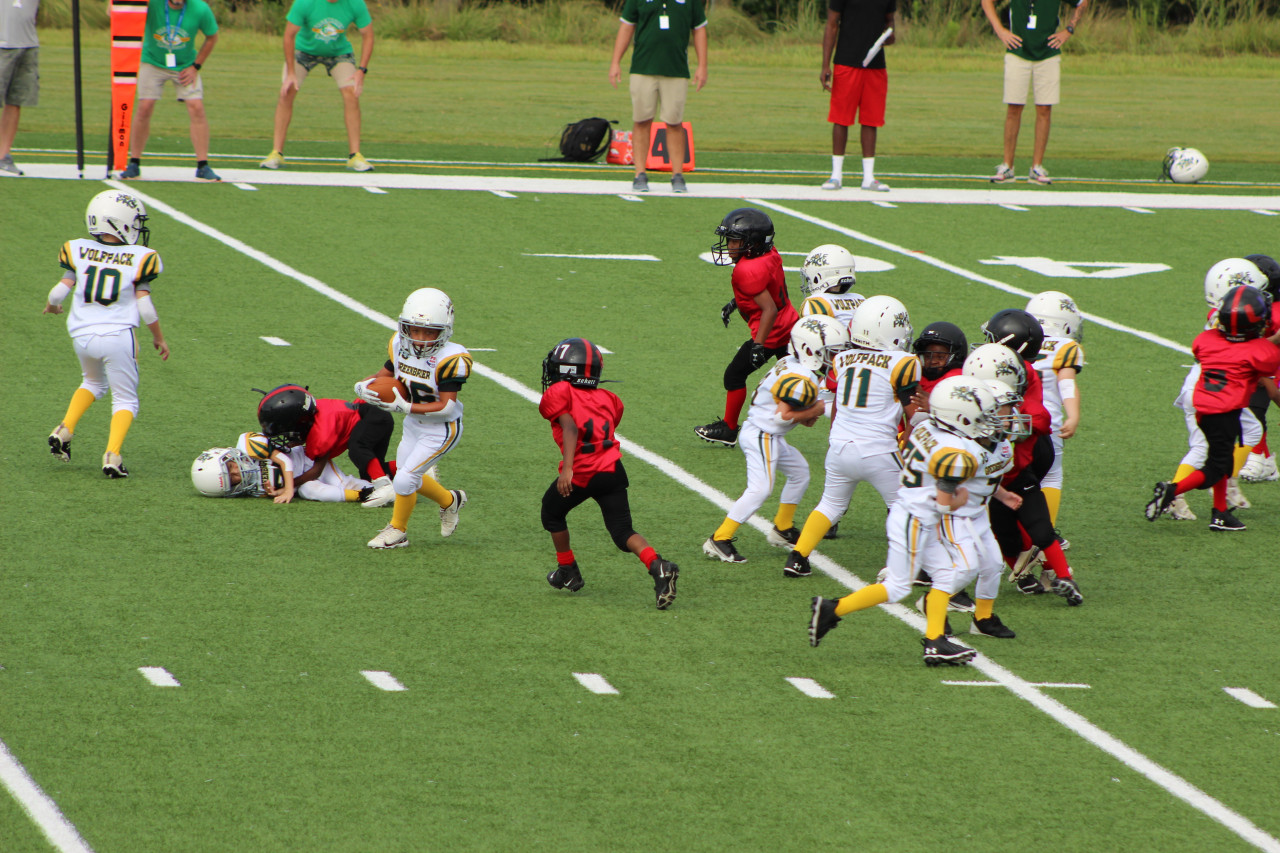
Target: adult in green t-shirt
pixel 1032 60
pixel 315 33
pixel 169 56
pixel 660 74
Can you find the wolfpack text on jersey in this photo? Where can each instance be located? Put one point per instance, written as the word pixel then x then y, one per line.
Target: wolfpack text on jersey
pixel 108 278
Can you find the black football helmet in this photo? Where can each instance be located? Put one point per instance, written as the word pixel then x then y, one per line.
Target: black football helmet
pixel 1271 270
pixel 573 360
pixel 1244 314
pixel 1017 330
pixel 753 227
pixel 950 336
pixel 286 414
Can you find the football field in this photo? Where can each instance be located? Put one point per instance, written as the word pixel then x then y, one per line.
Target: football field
pixel 180 673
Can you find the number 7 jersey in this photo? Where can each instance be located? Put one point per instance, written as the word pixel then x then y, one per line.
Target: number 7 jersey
pixel 596 412
pixel 108 278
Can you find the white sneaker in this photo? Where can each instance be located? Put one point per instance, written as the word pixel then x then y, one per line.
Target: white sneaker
pixel 875 186
pixel 1259 469
pixel 383 494
pixel 449 514
pixel 113 466
pixel 832 184
pixel 1179 511
pixel 1004 174
pixel 389 537
pixel 1039 176
pixel 274 160
pixel 1235 497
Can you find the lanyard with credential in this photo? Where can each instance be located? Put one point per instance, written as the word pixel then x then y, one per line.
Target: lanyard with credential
pixel 170 34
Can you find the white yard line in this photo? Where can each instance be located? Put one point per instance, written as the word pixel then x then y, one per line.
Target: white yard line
pixel 159 676
pixel 596 683
pixel 43 811
pixel 1021 688
pixel 1248 697
pixel 383 680
pixel 811 688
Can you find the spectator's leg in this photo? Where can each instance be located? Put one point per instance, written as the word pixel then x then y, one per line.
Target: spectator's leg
pixel 1012 122
pixel 839 139
pixel 284 115
pixel 8 127
pixel 1042 134
pixel 675 148
pixel 141 129
pixel 868 140
pixel 351 115
pixel 640 131
pixel 199 128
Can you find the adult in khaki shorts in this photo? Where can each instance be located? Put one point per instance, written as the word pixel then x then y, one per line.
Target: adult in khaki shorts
pixel 1033 61
pixel 315 33
pixel 19 73
pixel 660 74
pixel 169 56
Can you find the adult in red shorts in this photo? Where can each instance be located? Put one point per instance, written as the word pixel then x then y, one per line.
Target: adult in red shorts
pixel 860 83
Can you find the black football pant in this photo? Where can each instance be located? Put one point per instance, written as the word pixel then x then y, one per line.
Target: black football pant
pixel 370 439
pixel 740 368
pixel 1222 432
pixel 609 490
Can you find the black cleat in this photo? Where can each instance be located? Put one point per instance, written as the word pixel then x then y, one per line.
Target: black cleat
pixel 722 549
pixel 832 534
pixel 1162 496
pixel 60 443
pixel 567 577
pixel 1224 521
pixel 822 619
pixel 1028 585
pixel 718 432
pixel 991 627
pixel 783 538
pixel 961 603
pixel 797 566
pixel 1067 588
pixel 664 574
pixel 364 494
pixel 945 650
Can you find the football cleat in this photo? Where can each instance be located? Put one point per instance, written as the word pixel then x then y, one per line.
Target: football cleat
pixel 389 537
pixel 718 432
pixel 833 532
pixel 664 574
pixel 922 578
pixel 1022 565
pixel 449 514
pixel 1162 496
pixel 60 443
pixel 1028 585
pixel 797 566
pixel 822 618
pixel 381 493
pixel 783 538
pixel 962 603
pixel 567 577
pixel 1068 589
pixel 945 650
pixel 991 627
pixel 113 466
pixel 1235 497
pixel 1259 469
pixel 1179 511
pixel 921 604
pixel 722 549
pixel 1062 542
pixel 1225 521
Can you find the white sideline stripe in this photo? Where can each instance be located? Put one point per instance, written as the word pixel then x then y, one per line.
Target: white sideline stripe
pixel 595 683
pixel 375 190
pixel 593 257
pixel 249 187
pixel 274 341
pixel 1167 780
pixel 629 197
pixel 42 810
pixel 1248 697
pixel 811 688
pixel 884 204
pixel 159 676
pixel 382 680
pixel 1032 683
pixel 960 271
pixel 1139 210
pixel 503 194
pixel 1266 212
pixel 1016 207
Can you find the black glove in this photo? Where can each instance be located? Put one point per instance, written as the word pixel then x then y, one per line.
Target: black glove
pixel 759 355
pixel 727 312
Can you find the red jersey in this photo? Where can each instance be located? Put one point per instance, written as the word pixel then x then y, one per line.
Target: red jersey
pixel 1032 404
pixel 926 385
pixel 332 428
pixel 596 412
pixel 1229 372
pixel 758 275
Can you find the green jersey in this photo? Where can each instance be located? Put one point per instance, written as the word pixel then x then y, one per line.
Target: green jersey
pixel 663 27
pixel 1034 21
pixel 324 24
pixel 173 31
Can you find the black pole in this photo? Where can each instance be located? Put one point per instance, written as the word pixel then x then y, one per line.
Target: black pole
pixel 75 48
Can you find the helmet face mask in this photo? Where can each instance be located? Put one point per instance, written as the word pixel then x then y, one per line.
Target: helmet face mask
pixel 1184 165
pixel 226 472
pixel 881 323
pixel 751 232
pixel 286 414
pixel 966 407
pixel 118 214
pixel 1017 330
pixel 1014 425
pixel 828 269
pixel 1058 314
pixel 1244 314
pixel 945 339
pixel 426 323
pixel 573 360
pixel 815 341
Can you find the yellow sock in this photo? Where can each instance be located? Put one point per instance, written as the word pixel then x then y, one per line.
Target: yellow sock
pixel 1183 471
pixel 433 491
pixel 1239 457
pixel 1053 497
pixel 725 531
pixel 120 423
pixel 786 516
pixel 815 527
pixel 983 608
pixel 935 609
pixel 350 495
pixel 80 403
pixel 402 509
pixel 868 596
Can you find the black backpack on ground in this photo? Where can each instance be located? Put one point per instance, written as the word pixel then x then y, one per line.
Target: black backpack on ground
pixel 584 141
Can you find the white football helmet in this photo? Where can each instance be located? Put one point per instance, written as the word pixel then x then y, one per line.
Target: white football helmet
pixel 965 406
pixel 881 323
pixel 1015 425
pixel 997 361
pixel 828 269
pixel 816 339
pixel 211 473
pixel 426 308
pixel 120 214
pixel 1057 313
pixel 1185 165
pixel 1227 274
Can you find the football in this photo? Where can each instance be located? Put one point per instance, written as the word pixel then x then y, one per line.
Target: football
pixel 386 387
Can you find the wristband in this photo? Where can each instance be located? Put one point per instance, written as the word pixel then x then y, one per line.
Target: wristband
pixel 362 68
pixel 197 66
pixel 1071 29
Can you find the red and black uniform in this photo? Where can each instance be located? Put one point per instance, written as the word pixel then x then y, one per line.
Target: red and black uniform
pixel 597 460
pixel 753 276
pixel 353 427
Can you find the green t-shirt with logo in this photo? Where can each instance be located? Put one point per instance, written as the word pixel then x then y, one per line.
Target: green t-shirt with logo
pixel 324 24
pixel 662 52
pixel 175 34
pixel 1034 21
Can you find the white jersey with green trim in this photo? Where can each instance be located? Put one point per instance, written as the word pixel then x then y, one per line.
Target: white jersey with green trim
pixel 424 375
pixel 869 387
pixel 838 305
pixel 933 454
pixel 105 281
pixel 995 462
pixel 1055 354
pixel 788 381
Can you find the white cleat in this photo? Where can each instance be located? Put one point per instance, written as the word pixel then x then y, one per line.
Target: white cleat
pixel 113 466
pixel 389 537
pixel 384 493
pixel 449 514
pixel 1259 469
pixel 1235 497
pixel 1179 511
pixel 1022 566
pixel 60 443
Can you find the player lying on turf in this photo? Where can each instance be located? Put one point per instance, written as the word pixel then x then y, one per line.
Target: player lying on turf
pixel 254 469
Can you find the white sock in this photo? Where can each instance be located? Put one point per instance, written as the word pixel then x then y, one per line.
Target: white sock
pixel 868 169
pixel 837 167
